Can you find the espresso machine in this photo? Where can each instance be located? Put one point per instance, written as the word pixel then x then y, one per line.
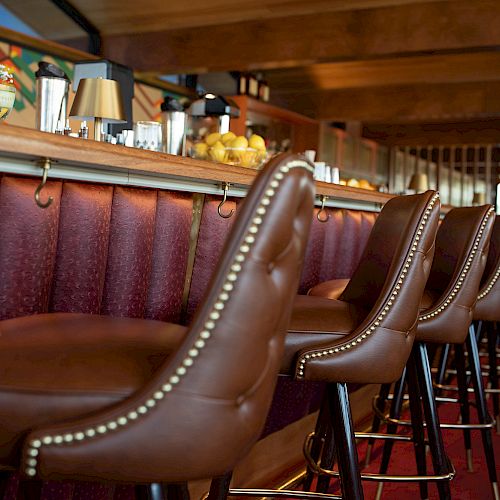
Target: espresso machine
pixel 211 113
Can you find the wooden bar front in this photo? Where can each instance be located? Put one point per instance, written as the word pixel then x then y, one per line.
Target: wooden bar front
pixel 136 233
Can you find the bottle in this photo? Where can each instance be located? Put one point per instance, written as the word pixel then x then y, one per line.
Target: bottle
pixel 253 86
pixel 242 84
pixel 84 130
pixel 263 91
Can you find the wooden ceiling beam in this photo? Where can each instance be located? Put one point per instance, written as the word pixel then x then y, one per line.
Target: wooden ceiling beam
pixel 408 103
pixel 449 68
pixel 401 30
pixel 428 134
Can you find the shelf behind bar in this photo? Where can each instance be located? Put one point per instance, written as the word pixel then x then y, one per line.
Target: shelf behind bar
pixel 87 160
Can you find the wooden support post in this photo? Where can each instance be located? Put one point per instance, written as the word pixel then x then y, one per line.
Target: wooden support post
pixel 463 164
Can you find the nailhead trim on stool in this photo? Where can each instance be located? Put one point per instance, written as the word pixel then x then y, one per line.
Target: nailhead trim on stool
pixel 462 276
pixel 214 315
pixel 385 308
pixel 490 285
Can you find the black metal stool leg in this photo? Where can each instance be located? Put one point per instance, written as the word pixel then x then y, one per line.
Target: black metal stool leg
pixel 178 491
pixel 463 396
pixel 4 482
pixel 345 443
pixel 149 492
pixel 442 366
pixel 327 457
pixel 417 420
pixel 322 424
pixel 493 372
pixel 482 411
pixel 29 489
pixel 219 487
pixel 395 412
pixel 439 459
pixel 382 398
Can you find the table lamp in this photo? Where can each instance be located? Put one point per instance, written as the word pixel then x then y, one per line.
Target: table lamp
pixel 419 183
pixel 98 99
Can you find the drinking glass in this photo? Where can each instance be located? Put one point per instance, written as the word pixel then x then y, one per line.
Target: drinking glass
pixel 147 135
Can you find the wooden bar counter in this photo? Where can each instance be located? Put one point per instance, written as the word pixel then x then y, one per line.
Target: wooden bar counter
pixel 137 233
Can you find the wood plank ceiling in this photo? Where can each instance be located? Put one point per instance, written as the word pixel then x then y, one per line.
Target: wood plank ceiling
pixel 374 61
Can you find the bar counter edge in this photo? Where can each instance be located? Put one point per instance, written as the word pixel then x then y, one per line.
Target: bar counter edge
pixel 23 149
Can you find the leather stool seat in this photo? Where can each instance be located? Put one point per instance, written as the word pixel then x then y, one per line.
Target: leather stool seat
pixel 59 366
pixel 331 289
pixel 316 322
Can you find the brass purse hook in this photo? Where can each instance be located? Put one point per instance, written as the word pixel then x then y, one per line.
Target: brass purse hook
pixel 45 165
pixel 225 187
pixel 323 198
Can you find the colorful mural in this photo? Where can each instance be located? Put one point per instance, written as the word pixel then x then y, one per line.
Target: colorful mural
pixel 24 64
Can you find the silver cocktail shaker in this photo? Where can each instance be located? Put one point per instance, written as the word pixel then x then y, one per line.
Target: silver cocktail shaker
pixel 174 127
pixel 52 86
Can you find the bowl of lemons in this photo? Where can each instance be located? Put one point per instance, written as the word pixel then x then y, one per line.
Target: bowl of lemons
pixel 232 149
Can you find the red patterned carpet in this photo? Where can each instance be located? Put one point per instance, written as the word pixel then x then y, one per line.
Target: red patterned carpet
pixel 465 485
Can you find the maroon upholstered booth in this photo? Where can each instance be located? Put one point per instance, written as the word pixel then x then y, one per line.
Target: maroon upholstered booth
pixel 108 250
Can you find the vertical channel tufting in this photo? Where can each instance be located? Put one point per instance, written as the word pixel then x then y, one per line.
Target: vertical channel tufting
pixel 349 249
pixel 28 246
pixel 169 256
pixel 329 265
pixel 314 253
pixel 130 248
pixel 335 247
pixel 213 232
pixel 82 250
pixel 367 221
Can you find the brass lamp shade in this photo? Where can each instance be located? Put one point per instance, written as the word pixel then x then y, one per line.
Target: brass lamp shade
pixel 97 99
pixel 419 183
pixel 479 199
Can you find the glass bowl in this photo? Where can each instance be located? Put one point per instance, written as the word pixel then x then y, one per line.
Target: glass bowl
pixel 243 157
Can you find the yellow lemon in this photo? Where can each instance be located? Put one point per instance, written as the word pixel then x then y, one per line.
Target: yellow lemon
pixel 228 137
pixel 218 152
pixel 363 183
pixel 257 142
pixel 239 142
pixel 201 150
pixel 211 139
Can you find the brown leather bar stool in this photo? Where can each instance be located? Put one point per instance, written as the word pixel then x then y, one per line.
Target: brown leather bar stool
pixel 487 311
pixel 486 315
pixel 124 400
pixel 447 307
pixel 367 334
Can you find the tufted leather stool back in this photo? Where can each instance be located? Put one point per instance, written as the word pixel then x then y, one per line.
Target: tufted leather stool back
pixel 206 406
pixel 387 285
pixel 488 300
pixel 462 245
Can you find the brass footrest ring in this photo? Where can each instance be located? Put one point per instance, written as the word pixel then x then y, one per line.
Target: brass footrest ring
pixel 365 476
pixel 262 492
pixel 443 425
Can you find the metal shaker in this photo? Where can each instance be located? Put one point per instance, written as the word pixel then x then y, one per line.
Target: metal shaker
pixel 174 127
pixel 52 86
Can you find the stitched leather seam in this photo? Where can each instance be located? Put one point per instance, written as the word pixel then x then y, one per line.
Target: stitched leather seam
pixel 35 445
pixel 386 307
pixel 490 285
pixel 463 274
